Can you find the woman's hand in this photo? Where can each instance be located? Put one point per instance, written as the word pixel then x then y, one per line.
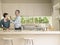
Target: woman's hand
pixel 6 28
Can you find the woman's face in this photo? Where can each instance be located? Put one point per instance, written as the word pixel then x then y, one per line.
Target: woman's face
pixel 6 17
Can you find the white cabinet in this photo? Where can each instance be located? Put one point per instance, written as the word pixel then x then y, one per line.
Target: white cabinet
pixel 32 37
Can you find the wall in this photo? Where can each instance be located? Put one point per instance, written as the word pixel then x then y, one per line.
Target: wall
pixel 0 9
pixel 28 9
pixel 55 1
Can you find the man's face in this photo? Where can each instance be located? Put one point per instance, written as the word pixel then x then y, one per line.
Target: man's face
pixel 16 13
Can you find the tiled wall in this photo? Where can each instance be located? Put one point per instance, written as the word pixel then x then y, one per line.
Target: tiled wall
pixel 28 9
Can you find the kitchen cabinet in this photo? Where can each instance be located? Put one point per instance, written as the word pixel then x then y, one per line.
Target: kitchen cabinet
pixel 38 37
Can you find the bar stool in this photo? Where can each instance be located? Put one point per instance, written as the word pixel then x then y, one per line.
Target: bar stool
pixel 28 41
pixel 8 41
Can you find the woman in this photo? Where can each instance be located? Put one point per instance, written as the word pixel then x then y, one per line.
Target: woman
pixel 5 22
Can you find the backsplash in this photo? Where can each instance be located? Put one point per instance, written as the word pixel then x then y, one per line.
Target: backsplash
pixel 36 20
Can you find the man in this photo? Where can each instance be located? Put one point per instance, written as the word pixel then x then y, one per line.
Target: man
pixel 17 21
pixel 5 22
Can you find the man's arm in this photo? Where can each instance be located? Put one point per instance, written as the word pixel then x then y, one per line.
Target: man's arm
pixel 11 20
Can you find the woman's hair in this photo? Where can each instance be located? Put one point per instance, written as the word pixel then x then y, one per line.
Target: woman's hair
pixel 18 11
pixel 4 15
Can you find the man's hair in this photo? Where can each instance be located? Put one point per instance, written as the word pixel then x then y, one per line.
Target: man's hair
pixel 4 15
pixel 18 11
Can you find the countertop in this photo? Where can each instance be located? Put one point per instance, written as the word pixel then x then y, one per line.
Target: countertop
pixel 30 32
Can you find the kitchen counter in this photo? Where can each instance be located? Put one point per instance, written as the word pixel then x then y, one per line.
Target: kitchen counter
pixel 30 32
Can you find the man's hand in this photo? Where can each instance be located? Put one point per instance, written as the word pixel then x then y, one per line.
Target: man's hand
pixel 10 18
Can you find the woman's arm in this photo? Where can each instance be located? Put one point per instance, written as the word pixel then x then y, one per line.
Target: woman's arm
pixel 8 25
pixel 1 23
